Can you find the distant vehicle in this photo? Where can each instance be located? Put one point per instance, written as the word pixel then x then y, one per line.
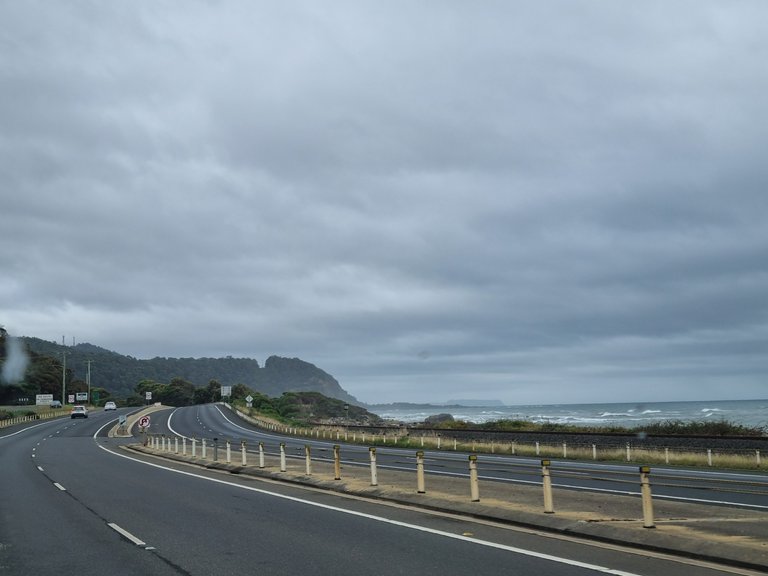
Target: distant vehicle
pixel 79 412
pixel 110 406
pixel 55 404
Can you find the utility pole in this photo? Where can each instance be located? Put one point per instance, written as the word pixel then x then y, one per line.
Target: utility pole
pixel 63 378
pixel 63 373
pixel 88 379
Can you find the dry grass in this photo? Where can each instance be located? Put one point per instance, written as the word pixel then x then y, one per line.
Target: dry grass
pixel 741 460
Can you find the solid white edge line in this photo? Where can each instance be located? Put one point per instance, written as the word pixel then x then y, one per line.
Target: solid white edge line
pixel 126 534
pixel 486 543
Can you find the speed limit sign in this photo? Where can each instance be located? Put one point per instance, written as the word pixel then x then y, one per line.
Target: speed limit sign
pixel 144 421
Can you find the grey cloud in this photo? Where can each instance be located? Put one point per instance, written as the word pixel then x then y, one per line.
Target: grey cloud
pixel 534 202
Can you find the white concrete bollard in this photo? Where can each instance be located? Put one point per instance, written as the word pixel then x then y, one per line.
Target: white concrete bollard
pixel 645 490
pixel 282 457
pixel 261 454
pixel 420 472
pixel 336 462
pixel 229 452
pixel 243 454
pixel 184 446
pixel 202 448
pixel 474 488
pixel 194 447
pixel 546 482
pixel 308 458
pixel 374 476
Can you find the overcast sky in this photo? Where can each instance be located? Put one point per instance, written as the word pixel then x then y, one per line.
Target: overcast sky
pixel 536 202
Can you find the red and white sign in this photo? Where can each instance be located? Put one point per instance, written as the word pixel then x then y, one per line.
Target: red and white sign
pixel 144 421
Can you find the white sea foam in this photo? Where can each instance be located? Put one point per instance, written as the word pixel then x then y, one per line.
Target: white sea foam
pixel 740 411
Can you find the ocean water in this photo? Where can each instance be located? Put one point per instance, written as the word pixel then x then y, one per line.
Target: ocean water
pixel 746 412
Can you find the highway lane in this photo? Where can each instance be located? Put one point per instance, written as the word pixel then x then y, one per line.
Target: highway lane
pixel 44 528
pixel 725 488
pixel 73 501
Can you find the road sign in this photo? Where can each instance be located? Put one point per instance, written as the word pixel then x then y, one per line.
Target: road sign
pixel 81 396
pixel 148 395
pixel 144 421
pixel 121 419
pixel 43 399
pixel 249 398
pixel 226 390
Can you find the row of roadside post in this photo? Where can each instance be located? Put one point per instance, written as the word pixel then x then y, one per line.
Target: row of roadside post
pixel 163 443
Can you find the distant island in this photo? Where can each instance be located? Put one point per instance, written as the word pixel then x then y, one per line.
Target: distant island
pixel 448 404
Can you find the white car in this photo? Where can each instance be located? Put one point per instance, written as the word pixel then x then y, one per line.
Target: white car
pixel 110 406
pixel 79 412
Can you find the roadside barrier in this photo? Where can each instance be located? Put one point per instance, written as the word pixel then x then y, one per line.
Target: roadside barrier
pixel 5 422
pixel 640 450
pixel 758 486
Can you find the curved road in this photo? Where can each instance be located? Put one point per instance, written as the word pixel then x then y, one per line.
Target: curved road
pixel 72 501
pixel 744 490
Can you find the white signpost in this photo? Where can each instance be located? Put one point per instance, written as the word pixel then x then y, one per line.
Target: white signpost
pixel 43 399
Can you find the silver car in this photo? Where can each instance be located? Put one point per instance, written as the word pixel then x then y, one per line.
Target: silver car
pixel 79 412
pixel 110 406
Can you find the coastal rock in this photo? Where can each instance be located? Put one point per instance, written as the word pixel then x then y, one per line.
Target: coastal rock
pixel 437 419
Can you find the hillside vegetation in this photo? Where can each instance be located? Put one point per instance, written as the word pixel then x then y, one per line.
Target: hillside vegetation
pixel 117 376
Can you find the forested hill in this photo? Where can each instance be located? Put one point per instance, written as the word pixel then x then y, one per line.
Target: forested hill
pixel 120 374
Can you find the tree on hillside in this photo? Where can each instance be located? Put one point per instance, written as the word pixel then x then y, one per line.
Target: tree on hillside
pixel 208 394
pixel 178 393
pixel 240 391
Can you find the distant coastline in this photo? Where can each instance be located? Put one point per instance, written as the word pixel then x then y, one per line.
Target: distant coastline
pixel 748 412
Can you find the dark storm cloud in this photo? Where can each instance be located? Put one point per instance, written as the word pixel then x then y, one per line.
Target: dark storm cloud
pixel 542 202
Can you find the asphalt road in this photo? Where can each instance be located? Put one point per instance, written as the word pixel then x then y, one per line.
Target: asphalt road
pixel 724 488
pixel 72 501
